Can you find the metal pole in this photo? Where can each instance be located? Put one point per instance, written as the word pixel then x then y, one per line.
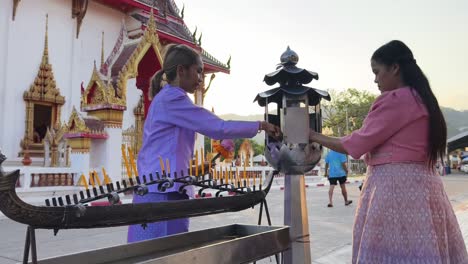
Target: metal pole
pixel 295 216
pixel 27 245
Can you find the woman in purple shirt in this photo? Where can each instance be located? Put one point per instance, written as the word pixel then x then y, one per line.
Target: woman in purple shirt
pixel 403 215
pixel 169 132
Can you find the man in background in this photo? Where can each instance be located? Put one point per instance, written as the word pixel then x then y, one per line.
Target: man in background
pixel 336 172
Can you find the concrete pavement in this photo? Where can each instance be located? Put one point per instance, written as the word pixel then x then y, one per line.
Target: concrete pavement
pixel 330 228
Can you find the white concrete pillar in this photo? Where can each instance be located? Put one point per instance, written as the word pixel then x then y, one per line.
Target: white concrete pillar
pixel 5 20
pixel 80 163
pixel 111 154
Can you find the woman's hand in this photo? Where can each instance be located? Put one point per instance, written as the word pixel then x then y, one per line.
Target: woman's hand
pixel 329 142
pixel 313 136
pixel 272 130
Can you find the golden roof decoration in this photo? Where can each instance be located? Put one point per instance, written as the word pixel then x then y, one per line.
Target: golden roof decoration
pixel 44 88
pixel 140 108
pixel 84 127
pixel 76 123
pixel 100 94
pixel 149 40
pixel 55 134
pixel 102 50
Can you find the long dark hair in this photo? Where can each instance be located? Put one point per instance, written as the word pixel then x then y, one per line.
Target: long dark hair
pixel 396 52
pixel 175 55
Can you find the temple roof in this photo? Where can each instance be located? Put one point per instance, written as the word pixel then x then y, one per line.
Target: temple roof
pixel 179 30
pixel 170 27
pixel 84 127
pixel 44 88
pixel 100 94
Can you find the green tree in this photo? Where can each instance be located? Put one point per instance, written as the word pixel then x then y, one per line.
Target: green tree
pixel 351 105
pixel 207 144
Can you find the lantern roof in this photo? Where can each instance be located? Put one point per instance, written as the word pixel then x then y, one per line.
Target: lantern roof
pixel 287 73
pixel 275 95
pixel 291 79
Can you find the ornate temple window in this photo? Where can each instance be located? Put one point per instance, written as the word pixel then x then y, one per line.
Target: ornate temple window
pixel 43 105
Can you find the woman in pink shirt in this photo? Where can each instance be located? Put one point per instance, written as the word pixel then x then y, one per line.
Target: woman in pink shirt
pixel 403 215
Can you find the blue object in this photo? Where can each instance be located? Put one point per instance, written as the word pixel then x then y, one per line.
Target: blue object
pixel 335 162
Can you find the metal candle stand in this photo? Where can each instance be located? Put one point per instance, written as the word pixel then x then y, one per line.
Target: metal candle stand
pixel 298 111
pixel 139 185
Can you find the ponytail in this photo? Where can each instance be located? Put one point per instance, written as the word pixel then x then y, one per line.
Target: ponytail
pixel 156 84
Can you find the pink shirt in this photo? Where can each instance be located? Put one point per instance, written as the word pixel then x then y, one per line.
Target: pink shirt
pixel 395 130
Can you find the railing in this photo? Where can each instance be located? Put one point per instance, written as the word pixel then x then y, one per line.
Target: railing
pixel 33 177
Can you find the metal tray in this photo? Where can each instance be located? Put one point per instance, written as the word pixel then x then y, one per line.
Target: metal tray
pixel 226 244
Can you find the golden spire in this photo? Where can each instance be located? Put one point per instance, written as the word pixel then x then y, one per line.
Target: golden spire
pixel 151 22
pixel 102 50
pixel 45 54
pixel 15 6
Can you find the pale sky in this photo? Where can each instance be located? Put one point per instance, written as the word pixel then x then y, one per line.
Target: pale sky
pixel 334 38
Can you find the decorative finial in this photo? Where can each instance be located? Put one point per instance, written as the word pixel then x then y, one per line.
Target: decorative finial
pixel 45 54
pixel 289 57
pixel 102 49
pixel 229 62
pixel 209 84
pixel 182 12
pixel 151 22
pixel 199 39
pixel 194 35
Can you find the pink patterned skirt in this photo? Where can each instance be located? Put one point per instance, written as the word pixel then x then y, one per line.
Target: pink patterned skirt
pixel 404 216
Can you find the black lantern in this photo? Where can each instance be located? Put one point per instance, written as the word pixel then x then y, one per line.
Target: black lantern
pixel 297 111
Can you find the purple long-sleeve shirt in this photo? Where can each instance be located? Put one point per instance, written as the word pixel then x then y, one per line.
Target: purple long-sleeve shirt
pixel 170 128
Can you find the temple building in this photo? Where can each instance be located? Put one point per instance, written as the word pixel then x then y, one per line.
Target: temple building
pixel 74 80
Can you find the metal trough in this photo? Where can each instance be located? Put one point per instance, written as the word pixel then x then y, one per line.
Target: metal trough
pixel 226 244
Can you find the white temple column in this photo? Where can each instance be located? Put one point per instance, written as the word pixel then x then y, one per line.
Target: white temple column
pixel 6 91
pixel 5 19
pixel 111 154
pixel 73 94
pixel 80 163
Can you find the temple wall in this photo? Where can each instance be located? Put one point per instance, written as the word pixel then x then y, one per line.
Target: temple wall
pixel 21 49
pixel 5 20
pixel 133 97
